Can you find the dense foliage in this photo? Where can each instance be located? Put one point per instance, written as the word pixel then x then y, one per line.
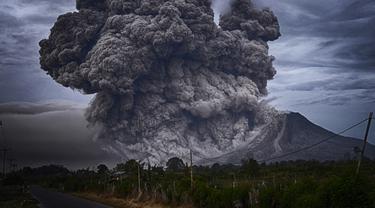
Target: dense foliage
pixel 286 184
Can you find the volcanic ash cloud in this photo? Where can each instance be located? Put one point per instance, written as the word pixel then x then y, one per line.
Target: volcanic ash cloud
pixel 166 77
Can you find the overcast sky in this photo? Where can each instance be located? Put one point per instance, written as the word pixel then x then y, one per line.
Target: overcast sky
pixel 325 61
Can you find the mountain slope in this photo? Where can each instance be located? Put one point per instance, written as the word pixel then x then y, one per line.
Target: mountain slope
pixel 300 133
pixel 294 132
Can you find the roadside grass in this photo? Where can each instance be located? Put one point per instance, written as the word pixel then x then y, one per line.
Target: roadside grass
pixel 16 197
pixel 123 203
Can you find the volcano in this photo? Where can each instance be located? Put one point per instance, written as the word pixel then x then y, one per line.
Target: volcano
pixel 288 134
pixel 168 80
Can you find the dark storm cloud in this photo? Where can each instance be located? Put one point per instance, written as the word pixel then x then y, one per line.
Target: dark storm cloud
pixel 22 24
pixel 42 134
pixel 335 84
pixel 327 46
pixel 14 41
pixel 352 30
pixel 8 21
pixel 335 99
pixel 361 55
pixel 33 108
pixel 47 10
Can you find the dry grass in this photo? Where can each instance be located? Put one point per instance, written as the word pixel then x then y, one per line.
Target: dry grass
pixel 123 203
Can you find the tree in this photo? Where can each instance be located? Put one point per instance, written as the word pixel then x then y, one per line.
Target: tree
pixel 102 169
pixel 130 167
pixel 175 164
pixel 250 167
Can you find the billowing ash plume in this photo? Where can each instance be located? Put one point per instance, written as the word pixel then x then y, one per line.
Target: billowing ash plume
pixel 166 77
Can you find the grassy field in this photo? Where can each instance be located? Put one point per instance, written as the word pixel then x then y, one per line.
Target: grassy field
pixel 16 197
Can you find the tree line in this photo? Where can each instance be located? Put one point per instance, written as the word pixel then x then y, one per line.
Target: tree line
pixel 282 184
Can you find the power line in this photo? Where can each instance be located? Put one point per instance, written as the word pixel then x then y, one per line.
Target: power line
pixel 191 169
pixel 214 159
pixel 316 144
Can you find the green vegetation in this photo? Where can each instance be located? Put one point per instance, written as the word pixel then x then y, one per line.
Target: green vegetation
pixel 307 184
pixel 15 195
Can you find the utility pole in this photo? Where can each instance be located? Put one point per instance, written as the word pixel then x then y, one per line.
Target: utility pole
pixel 139 179
pixel 364 143
pixel 10 163
pixel 234 180
pixel 4 150
pixel 191 169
